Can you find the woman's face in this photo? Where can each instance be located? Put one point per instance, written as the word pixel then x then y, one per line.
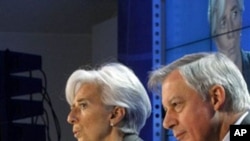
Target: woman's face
pixel 89 116
pixel 229 24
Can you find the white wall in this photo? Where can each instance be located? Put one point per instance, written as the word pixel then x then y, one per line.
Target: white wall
pixel 61 55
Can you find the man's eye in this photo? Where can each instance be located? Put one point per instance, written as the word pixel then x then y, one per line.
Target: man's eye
pixel 174 104
pixel 177 106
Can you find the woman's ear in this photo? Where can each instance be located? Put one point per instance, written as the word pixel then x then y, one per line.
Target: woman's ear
pixel 217 96
pixel 117 115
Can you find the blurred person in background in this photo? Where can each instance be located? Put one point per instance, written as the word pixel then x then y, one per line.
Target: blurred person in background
pixel 225 17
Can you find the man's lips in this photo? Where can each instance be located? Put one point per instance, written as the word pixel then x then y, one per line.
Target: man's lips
pixel 179 135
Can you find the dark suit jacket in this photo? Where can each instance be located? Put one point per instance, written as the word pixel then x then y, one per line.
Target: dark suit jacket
pixel 132 137
pixel 246 120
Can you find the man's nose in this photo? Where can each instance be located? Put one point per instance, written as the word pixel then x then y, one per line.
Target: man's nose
pixel 169 121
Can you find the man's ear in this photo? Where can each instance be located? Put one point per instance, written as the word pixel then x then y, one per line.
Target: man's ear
pixel 217 96
pixel 117 115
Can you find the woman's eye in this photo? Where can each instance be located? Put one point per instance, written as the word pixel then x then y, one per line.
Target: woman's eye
pixel 83 105
pixel 235 14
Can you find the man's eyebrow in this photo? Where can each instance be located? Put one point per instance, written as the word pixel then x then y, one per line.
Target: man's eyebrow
pixel 174 98
pixel 169 102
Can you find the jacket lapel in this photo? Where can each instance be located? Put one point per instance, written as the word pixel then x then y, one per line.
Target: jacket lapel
pixel 246 120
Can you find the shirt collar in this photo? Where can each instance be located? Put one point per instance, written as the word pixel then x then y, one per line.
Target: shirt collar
pixel 227 137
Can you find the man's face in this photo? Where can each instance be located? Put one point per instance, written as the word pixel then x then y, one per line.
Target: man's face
pixel 230 20
pixel 187 114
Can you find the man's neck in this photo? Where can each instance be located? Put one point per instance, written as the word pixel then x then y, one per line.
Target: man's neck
pixel 228 119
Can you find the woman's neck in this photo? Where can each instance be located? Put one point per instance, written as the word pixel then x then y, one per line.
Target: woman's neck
pixel 235 56
pixel 115 135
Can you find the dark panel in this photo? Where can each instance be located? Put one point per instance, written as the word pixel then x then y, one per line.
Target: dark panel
pixel 135 43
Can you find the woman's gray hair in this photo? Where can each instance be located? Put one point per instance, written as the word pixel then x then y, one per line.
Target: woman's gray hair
pixel 120 87
pixel 215 11
pixel 204 70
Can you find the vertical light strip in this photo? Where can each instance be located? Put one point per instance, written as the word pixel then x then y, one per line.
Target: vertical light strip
pixel 156 53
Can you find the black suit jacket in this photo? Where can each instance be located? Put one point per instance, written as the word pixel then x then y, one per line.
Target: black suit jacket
pixel 246 120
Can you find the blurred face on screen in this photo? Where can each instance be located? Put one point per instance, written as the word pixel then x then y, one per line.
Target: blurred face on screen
pixel 190 117
pixel 228 23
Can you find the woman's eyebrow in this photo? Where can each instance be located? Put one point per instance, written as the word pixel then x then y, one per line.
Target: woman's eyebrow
pixel 234 7
pixel 81 100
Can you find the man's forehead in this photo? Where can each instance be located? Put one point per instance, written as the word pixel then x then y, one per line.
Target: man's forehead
pixel 172 77
pixel 175 87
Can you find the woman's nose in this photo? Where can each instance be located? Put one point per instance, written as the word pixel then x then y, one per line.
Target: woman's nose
pixel 230 30
pixel 72 117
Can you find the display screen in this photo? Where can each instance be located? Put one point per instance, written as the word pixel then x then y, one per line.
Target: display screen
pixel 187 28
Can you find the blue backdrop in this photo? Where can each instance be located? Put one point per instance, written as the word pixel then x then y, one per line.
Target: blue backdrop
pixel 156 32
